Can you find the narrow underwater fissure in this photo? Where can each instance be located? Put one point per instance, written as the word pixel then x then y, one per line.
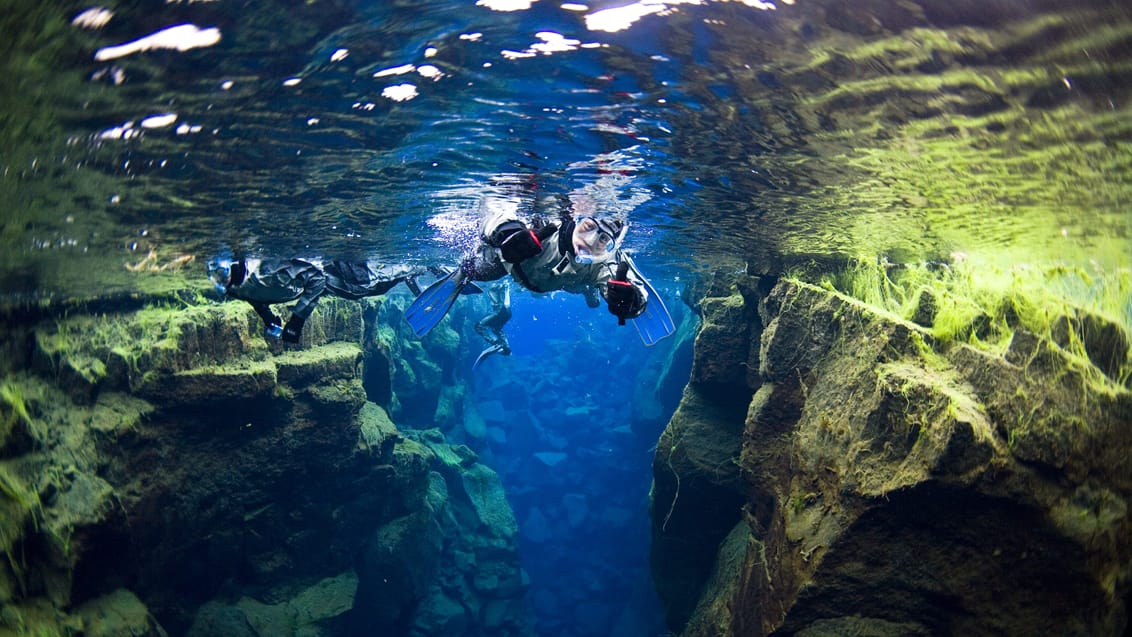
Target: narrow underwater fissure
pixel 570 421
pixel 925 365
pixel 244 484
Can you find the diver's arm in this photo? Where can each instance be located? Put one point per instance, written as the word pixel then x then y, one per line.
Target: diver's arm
pixel 312 281
pixel 516 242
pixel 605 272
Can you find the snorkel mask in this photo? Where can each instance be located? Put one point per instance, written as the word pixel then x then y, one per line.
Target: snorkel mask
pixel 220 272
pixel 600 238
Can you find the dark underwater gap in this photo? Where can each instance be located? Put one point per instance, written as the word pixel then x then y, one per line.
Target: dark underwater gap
pixel 377 368
pixel 376 379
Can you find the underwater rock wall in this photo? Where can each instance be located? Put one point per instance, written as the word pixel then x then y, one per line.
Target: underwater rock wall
pixel 879 481
pixel 697 453
pixel 168 471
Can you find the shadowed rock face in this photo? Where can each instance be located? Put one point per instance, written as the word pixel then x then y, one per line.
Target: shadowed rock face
pixel 171 469
pixel 938 561
pixel 890 485
pixel 697 492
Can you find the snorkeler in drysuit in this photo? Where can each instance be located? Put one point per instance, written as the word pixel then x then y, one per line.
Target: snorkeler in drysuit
pixel 266 282
pixel 355 280
pixel 575 254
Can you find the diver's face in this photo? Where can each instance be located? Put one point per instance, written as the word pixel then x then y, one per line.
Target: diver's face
pixel 590 240
pixel 219 272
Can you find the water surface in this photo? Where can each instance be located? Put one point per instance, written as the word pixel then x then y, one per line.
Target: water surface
pixel 732 134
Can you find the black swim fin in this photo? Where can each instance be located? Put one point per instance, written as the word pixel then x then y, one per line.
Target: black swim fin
pixel 494 349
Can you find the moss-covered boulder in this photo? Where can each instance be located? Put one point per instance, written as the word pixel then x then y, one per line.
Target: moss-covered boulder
pixel 894 484
pixel 397 567
pixel 170 469
pixel 117 613
pixel 724 353
pixel 317 610
pixel 478 585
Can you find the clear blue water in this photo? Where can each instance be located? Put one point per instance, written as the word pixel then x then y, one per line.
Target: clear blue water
pixel 572 417
pixel 583 410
pixel 732 135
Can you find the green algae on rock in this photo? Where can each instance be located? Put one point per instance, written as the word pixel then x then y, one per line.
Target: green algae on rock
pixel 212 482
pixel 892 478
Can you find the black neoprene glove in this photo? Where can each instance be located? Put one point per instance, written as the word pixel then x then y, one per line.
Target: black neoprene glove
pixel 593 299
pixel 293 329
pixel 623 298
pixel 516 242
pixel 272 325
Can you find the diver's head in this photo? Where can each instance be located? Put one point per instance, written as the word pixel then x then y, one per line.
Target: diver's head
pixel 597 239
pixel 220 272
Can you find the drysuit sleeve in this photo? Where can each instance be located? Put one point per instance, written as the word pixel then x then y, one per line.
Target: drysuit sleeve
pixel 486 263
pixel 312 282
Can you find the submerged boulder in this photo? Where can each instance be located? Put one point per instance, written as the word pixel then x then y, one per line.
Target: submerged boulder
pixel 117 613
pixel 397 567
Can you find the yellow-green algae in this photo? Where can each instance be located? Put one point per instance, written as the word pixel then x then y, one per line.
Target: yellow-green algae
pixel 982 304
pixel 1040 184
pixel 1006 145
pixel 158 336
pixel 1011 216
pixel 1065 201
pixel 20 511
pixel 162 345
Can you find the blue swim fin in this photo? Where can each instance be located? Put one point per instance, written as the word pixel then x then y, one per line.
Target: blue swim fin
pixel 655 323
pixel 433 304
